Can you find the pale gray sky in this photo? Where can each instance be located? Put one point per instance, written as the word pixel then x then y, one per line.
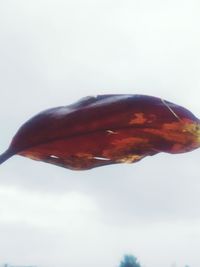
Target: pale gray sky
pixel 54 52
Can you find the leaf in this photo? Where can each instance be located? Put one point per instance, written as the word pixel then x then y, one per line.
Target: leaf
pixel 106 129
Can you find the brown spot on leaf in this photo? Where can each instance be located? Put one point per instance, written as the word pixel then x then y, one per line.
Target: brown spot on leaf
pixel 138 118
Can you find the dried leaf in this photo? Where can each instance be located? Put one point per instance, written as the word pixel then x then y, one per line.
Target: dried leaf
pixel 106 129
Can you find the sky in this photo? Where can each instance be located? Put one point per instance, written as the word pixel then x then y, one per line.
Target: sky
pixel 54 52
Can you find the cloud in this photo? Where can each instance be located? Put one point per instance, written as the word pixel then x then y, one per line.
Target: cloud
pixel 43 210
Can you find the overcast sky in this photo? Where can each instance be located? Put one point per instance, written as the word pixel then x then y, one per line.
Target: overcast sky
pixel 53 52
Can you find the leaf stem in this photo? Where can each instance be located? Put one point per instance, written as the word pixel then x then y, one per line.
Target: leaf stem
pixel 6 155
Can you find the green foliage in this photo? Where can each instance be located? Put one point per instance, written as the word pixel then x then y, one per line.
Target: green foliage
pixel 129 261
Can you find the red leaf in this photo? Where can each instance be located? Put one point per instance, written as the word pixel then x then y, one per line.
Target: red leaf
pixel 106 129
